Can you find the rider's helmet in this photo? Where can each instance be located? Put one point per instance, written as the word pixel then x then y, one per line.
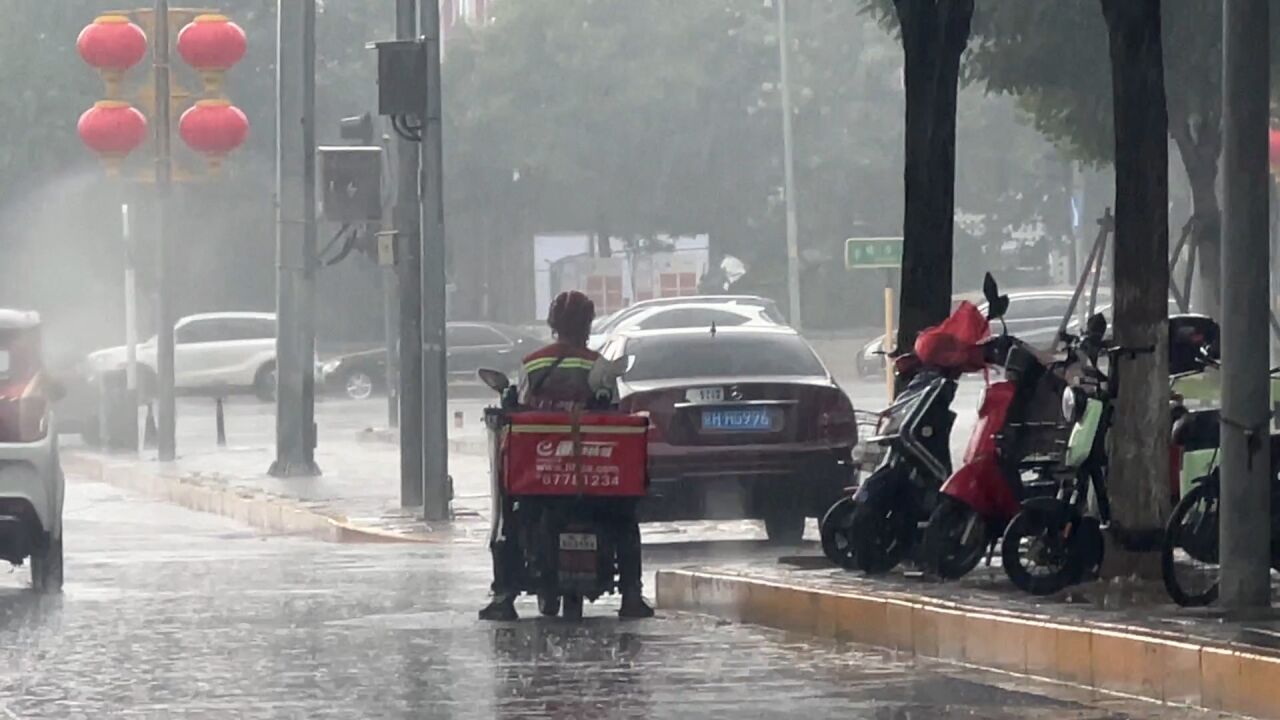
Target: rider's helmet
pixel 571 315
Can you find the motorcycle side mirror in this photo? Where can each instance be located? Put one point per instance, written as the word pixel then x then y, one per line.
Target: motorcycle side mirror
pixel 997 304
pixel 496 380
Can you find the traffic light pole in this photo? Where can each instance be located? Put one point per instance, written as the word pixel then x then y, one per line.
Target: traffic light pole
pixel 434 280
pixel 166 410
pixel 296 259
pixel 1245 518
pixel 409 247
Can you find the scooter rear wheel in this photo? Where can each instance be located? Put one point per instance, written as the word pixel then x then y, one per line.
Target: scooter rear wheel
pixel 880 537
pixel 837 543
pixel 955 540
pixel 1189 555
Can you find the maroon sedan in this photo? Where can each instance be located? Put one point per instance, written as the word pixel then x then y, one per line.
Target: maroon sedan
pixel 746 423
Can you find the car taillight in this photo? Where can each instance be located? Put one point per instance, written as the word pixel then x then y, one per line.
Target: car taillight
pixel 646 404
pixel 836 420
pixel 23 412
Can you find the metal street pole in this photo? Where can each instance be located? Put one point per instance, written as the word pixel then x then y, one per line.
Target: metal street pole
pixel 793 251
pixel 390 298
pixel 409 246
pixel 434 293
pixel 1245 524
pixel 166 409
pixel 130 320
pixel 295 239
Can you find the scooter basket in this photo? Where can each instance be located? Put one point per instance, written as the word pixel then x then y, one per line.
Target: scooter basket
pixel 597 454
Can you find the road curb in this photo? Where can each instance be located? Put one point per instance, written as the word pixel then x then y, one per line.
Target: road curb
pixel 269 513
pixel 1125 660
pixel 385 436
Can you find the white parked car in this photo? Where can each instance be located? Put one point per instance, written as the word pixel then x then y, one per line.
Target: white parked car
pixel 32 487
pixel 224 350
pixel 604 327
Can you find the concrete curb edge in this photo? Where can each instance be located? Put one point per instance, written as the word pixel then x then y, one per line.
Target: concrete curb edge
pixel 258 510
pixel 1128 661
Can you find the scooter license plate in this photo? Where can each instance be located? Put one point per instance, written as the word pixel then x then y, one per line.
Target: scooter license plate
pixel 578 541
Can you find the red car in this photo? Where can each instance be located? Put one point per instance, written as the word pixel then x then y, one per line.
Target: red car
pixel 746 422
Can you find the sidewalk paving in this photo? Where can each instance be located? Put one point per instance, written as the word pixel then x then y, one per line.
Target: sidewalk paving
pixel 356 499
pixel 1128 637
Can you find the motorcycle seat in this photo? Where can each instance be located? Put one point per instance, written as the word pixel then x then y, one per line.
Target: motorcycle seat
pixel 1199 430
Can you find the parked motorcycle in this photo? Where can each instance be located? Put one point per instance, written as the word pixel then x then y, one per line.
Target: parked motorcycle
pixel 556 479
pixel 878 525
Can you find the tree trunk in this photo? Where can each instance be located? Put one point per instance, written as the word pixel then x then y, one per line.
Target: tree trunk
pixel 1200 152
pixel 934 34
pixel 1139 468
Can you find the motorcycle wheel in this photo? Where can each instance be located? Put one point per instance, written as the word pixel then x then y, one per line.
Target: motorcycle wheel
pixel 548 605
pixel 572 607
pixel 1191 539
pixel 837 542
pixel 880 536
pixel 1036 557
pixel 955 539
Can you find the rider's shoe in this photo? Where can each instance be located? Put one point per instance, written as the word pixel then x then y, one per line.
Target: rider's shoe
pixel 502 609
pixel 634 607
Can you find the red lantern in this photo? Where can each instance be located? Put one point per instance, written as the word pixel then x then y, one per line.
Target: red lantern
pixel 113 129
pixel 212 44
pixel 214 128
pixel 112 45
pixel 1274 147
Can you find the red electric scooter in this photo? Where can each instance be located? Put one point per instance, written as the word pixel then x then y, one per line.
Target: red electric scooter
pixel 1019 429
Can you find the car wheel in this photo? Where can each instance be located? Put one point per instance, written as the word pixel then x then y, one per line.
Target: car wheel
pixel 46 568
pixel 572 607
pixel 548 604
pixel 264 383
pixel 147 384
pixel 785 527
pixel 358 385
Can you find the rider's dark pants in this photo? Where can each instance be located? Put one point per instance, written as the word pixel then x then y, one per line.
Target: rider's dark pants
pixel 508 560
pixel 621 516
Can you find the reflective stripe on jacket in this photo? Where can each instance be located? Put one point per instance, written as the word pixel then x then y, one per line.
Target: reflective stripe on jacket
pixel 557 377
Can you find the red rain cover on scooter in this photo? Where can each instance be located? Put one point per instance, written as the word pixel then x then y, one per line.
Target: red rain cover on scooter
pixel 955 343
pixel 607 456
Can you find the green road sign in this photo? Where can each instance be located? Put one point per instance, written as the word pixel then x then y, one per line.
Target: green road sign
pixel 881 252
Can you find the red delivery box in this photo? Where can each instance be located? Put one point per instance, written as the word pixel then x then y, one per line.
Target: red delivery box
pixel 607 456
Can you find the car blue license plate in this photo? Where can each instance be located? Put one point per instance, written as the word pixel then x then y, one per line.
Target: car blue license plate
pixel 745 420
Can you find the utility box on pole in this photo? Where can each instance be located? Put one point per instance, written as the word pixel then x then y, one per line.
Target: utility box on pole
pixel 402 74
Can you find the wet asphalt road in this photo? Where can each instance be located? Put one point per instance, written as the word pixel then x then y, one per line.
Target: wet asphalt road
pixel 169 613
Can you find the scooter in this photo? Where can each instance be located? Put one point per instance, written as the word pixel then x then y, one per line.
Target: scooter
pixel 878 525
pixel 912 433
pixel 977 502
pixel 1055 542
pixel 555 476
pixel 1191 534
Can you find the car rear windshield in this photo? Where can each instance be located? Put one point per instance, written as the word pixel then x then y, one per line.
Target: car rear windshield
pixel 723 355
